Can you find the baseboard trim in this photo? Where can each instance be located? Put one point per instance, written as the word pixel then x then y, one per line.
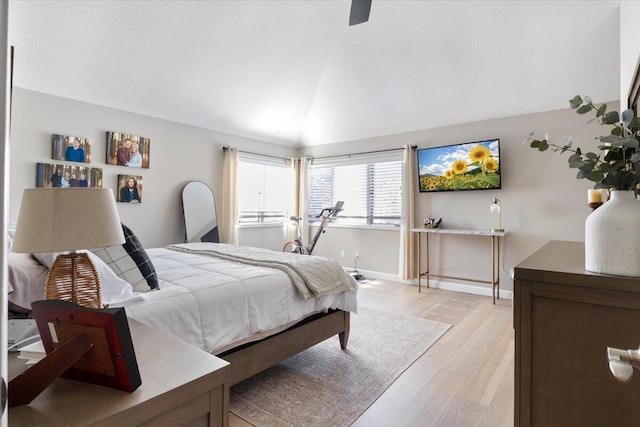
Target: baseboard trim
pixel 437 284
pixel 467 289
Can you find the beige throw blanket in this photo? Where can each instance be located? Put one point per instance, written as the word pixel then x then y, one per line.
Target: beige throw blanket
pixel 311 275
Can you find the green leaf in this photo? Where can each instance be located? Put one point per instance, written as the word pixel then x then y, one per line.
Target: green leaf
pixel 575 163
pixel 611 118
pixel 601 110
pixel 575 156
pixel 584 109
pixel 610 138
pixel 575 102
pixel 592 156
pixel 543 146
pixel 595 176
pixel 617 131
pixel 535 143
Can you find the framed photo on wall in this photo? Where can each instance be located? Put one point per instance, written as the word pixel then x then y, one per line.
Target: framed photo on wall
pixel 124 149
pixel 129 189
pixel 64 175
pixel 70 148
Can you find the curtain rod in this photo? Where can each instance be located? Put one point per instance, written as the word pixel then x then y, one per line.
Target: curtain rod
pixel 413 147
pixel 257 154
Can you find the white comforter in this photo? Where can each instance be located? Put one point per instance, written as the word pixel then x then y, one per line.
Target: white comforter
pixel 215 304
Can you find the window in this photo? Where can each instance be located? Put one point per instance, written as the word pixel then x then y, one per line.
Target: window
pixel 370 186
pixel 265 189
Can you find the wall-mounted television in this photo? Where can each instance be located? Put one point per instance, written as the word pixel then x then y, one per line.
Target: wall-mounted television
pixel 459 167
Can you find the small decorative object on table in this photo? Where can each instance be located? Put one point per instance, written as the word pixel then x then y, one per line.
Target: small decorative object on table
pixel 432 222
pixel 612 232
pixel 496 206
pixel 596 197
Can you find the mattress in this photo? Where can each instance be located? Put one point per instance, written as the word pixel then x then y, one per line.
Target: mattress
pixel 215 304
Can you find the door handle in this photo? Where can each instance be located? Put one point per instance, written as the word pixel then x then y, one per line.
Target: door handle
pixel 622 362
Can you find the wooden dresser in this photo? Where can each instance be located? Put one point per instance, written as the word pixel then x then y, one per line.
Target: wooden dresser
pixel 181 385
pixel 564 320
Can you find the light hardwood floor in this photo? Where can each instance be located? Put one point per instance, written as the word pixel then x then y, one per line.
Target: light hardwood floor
pixel 464 379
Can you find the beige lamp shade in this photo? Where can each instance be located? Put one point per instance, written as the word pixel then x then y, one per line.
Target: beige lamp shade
pixel 67 219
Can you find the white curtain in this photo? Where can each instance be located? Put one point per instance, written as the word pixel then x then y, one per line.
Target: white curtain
pixel 302 196
pixel 407 262
pixel 301 205
pixel 229 198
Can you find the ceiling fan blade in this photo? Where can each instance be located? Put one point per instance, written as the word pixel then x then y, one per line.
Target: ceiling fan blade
pixel 359 11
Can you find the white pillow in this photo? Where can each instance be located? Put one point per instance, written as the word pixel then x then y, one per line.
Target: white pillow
pixel 26 279
pixel 115 291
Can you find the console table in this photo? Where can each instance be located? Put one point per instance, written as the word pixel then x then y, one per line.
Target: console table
pixel 181 385
pixel 495 256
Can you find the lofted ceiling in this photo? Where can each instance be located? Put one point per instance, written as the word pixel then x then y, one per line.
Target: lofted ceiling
pixel 295 73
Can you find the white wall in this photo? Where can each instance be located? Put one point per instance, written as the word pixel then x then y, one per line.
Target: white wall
pixel 541 198
pixel 629 45
pixel 179 153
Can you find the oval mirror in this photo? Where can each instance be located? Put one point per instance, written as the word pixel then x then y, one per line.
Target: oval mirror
pixel 199 209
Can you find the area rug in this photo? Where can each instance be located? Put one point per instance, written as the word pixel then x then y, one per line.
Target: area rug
pixel 325 384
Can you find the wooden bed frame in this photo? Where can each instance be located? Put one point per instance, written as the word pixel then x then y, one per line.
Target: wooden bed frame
pixel 250 359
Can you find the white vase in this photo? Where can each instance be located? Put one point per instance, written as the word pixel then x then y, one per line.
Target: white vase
pixel 612 236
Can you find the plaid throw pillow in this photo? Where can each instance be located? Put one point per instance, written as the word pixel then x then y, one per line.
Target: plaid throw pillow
pixel 130 262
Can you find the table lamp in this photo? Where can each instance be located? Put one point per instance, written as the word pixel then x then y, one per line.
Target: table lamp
pixel 496 206
pixel 63 220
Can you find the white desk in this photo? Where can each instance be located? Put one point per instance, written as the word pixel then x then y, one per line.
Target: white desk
pixel 495 256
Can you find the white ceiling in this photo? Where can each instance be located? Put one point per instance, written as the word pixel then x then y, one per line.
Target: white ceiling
pixel 295 73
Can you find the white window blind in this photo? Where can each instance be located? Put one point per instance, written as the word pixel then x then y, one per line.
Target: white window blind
pixel 265 189
pixel 370 185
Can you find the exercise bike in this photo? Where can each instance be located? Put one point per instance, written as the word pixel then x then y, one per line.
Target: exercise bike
pixel 297 246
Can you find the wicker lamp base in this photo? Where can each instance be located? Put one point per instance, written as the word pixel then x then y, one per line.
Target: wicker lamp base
pixel 74 278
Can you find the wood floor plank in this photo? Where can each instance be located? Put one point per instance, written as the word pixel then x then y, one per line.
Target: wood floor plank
pixel 434 401
pixel 500 412
pixel 462 412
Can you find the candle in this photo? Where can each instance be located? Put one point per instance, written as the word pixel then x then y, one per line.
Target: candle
pixel 594 196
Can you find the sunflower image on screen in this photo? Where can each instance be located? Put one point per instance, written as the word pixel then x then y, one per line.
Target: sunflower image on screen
pixel 130 189
pixel 469 166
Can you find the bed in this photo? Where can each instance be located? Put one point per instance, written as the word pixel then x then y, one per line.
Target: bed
pixel 264 318
pixel 243 304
